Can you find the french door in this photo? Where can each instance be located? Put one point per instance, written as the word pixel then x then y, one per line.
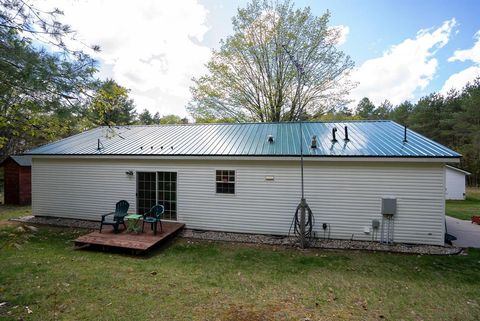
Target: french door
pixel 157 188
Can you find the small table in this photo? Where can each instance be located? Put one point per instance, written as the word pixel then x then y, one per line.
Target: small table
pixel 132 222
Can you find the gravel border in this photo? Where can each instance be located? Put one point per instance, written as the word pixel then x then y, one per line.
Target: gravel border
pixel 264 239
pixel 57 221
pixel 322 243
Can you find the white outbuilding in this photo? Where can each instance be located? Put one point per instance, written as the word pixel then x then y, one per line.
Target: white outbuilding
pixel 455 181
pixel 362 179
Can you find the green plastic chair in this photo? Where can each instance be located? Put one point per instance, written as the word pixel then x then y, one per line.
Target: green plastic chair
pixel 152 217
pixel 121 209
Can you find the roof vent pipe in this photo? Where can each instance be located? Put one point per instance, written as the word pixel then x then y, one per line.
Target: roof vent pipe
pixel 346 134
pixel 99 144
pixel 334 138
pixel 405 135
pixel 314 142
pixel 270 139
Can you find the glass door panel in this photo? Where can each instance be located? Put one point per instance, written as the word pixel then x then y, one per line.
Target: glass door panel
pixel 167 194
pixel 157 188
pixel 146 191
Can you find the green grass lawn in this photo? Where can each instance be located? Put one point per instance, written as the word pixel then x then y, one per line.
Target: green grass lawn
pixel 464 210
pixel 11 211
pixel 188 280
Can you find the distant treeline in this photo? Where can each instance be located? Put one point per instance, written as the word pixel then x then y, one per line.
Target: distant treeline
pixel 452 120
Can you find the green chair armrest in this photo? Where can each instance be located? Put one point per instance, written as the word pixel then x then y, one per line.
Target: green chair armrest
pixel 103 215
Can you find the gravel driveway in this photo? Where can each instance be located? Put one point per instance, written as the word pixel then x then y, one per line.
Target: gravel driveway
pixel 468 234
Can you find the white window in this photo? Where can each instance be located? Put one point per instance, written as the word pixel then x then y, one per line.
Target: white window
pixel 225 182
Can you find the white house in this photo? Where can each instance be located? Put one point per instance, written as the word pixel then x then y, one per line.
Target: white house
pixel 246 177
pixel 455 179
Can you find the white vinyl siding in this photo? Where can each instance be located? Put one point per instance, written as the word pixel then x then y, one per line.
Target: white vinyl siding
pixel 346 195
pixel 455 184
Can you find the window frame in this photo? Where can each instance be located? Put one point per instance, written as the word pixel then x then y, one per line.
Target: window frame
pixel 221 182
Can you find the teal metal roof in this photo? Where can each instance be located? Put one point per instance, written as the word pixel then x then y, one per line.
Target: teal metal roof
pixel 366 139
pixel 20 160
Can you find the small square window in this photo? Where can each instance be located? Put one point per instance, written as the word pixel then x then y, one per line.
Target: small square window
pixel 225 181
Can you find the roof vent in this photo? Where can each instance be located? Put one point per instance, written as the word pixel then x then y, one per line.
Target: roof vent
pixel 270 139
pixel 314 142
pixel 346 134
pixel 99 144
pixel 334 138
pixel 405 135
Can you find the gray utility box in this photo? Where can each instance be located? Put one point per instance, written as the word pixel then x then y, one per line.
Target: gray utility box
pixel 389 206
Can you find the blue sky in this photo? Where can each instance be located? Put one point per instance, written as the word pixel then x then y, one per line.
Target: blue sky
pixel 377 25
pixel 402 49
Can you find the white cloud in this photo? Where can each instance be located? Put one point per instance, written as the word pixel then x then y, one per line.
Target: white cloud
pixel 343 32
pixel 460 79
pixel 403 69
pixel 152 47
pixel 472 54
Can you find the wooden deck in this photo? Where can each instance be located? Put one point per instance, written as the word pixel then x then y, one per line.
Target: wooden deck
pixel 138 243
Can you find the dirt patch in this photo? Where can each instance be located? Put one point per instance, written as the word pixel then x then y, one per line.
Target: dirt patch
pixel 250 312
pixel 8 223
pixel 242 313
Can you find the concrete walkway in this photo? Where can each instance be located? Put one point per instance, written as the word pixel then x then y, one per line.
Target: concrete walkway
pixel 468 234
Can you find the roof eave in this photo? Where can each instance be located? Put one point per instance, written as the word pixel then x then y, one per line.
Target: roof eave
pixel 458 170
pixel 330 158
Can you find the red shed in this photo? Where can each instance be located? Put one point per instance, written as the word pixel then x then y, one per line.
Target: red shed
pixel 17 179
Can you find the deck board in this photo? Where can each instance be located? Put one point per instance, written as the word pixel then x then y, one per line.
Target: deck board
pixel 132 241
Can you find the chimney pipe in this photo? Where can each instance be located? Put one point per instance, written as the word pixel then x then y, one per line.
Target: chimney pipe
pixel 346 134
pixel 334 138
pixel 405 135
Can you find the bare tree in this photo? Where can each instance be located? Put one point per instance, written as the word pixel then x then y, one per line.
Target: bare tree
pixel 253 76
